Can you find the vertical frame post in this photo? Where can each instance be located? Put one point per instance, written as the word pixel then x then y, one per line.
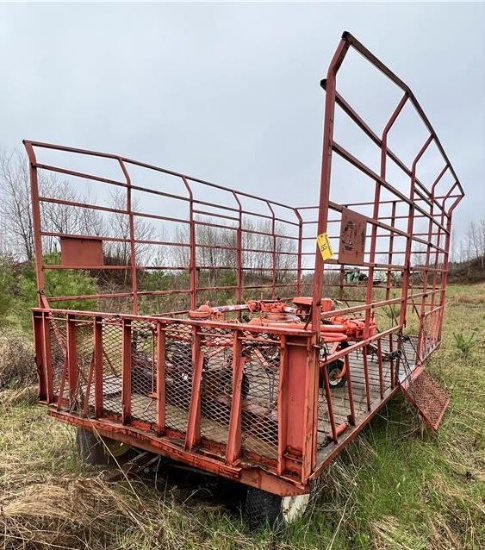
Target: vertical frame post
pixel 126 371
pixel 331 90
pixel 39 344
pixel 49 383
pixel 193 427
pixel 239 259
pixel 299 253
pixel 233 449
pixel 72 358
pixel 282 406
pixel 310 408
pixel 273 253
pixel 37 227
pixel 131 220
pixel 192 248
pixel 350 390
pixel 366 377
pixel 160 387
pixel 98 366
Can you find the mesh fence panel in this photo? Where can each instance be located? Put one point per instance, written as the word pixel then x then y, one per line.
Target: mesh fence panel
pixel 58 342
pixel 112 364
pixel 430 333
pixel 143 383
pixel 178 374
pixel 260 410
pixel 216 396
pixel 260 381
pixel 84 394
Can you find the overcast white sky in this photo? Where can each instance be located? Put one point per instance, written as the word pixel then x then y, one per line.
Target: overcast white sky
pixel 230 92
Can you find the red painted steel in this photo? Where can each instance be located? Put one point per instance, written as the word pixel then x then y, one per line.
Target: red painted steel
pixel 219 336
pixel 234 439
pixel 161 372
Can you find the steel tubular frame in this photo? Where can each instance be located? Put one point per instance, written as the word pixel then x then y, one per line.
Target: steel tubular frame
pixel 292 219
pixel 418 191
pixel 251 402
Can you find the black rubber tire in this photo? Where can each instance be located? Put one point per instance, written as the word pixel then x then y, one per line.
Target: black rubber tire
pixel 262 509
pixel 90 448
pixel 336 367
pixel 94 449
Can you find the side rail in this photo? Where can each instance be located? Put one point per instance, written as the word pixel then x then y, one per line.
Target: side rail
pixel 154 240
pixel 242 395
pixel 218 394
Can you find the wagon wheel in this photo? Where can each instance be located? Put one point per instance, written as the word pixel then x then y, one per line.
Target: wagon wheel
pixel 98 450
pixel 225 383
pixel 266 509
pixel 270 361
pixel 335 369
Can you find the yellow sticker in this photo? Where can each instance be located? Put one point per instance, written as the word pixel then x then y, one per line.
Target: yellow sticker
pixel 324 245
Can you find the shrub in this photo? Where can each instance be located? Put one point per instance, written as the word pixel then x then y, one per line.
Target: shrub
pixel 464 344
pixel 7 281
pixel 62 282
pixel 17 368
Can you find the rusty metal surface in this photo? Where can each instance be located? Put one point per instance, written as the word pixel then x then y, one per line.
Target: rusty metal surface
pixel 352 238
pixel 192 345
pixel 428 397
pixel 78 252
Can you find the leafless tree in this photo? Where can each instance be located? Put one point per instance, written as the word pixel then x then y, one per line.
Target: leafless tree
pixel 16 218
pixel 16 213
pixel 180 254
pixel 476 241
pixel 259 242
pixel 216 250
pixel 119 226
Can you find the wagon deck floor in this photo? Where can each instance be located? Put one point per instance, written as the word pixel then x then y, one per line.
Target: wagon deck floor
pixel 378 395
pixel 145 408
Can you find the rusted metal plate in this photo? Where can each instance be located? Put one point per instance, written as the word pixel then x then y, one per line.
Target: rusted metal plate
pixel 81 252
pixel 428 397
pixel 352 237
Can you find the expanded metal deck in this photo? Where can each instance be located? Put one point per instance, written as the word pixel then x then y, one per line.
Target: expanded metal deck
pixel 428 397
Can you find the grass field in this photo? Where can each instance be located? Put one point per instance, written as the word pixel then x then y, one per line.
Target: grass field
pixel 396 487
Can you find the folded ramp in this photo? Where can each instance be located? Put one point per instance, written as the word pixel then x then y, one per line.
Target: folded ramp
pixel 427 396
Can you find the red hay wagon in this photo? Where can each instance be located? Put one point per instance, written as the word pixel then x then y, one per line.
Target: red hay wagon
pixel 238 335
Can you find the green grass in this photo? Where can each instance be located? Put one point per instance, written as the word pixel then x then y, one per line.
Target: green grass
pixel 397 486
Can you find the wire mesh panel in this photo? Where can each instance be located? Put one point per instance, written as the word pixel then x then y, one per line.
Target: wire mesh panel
pixel 178 374
pixel 429 398
pixel 58 341
pixel 88 352
pixel 143 383
pixel 260 409
pixel 84 391
pixel 216 396
pixel 111 351
pixel 430 333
